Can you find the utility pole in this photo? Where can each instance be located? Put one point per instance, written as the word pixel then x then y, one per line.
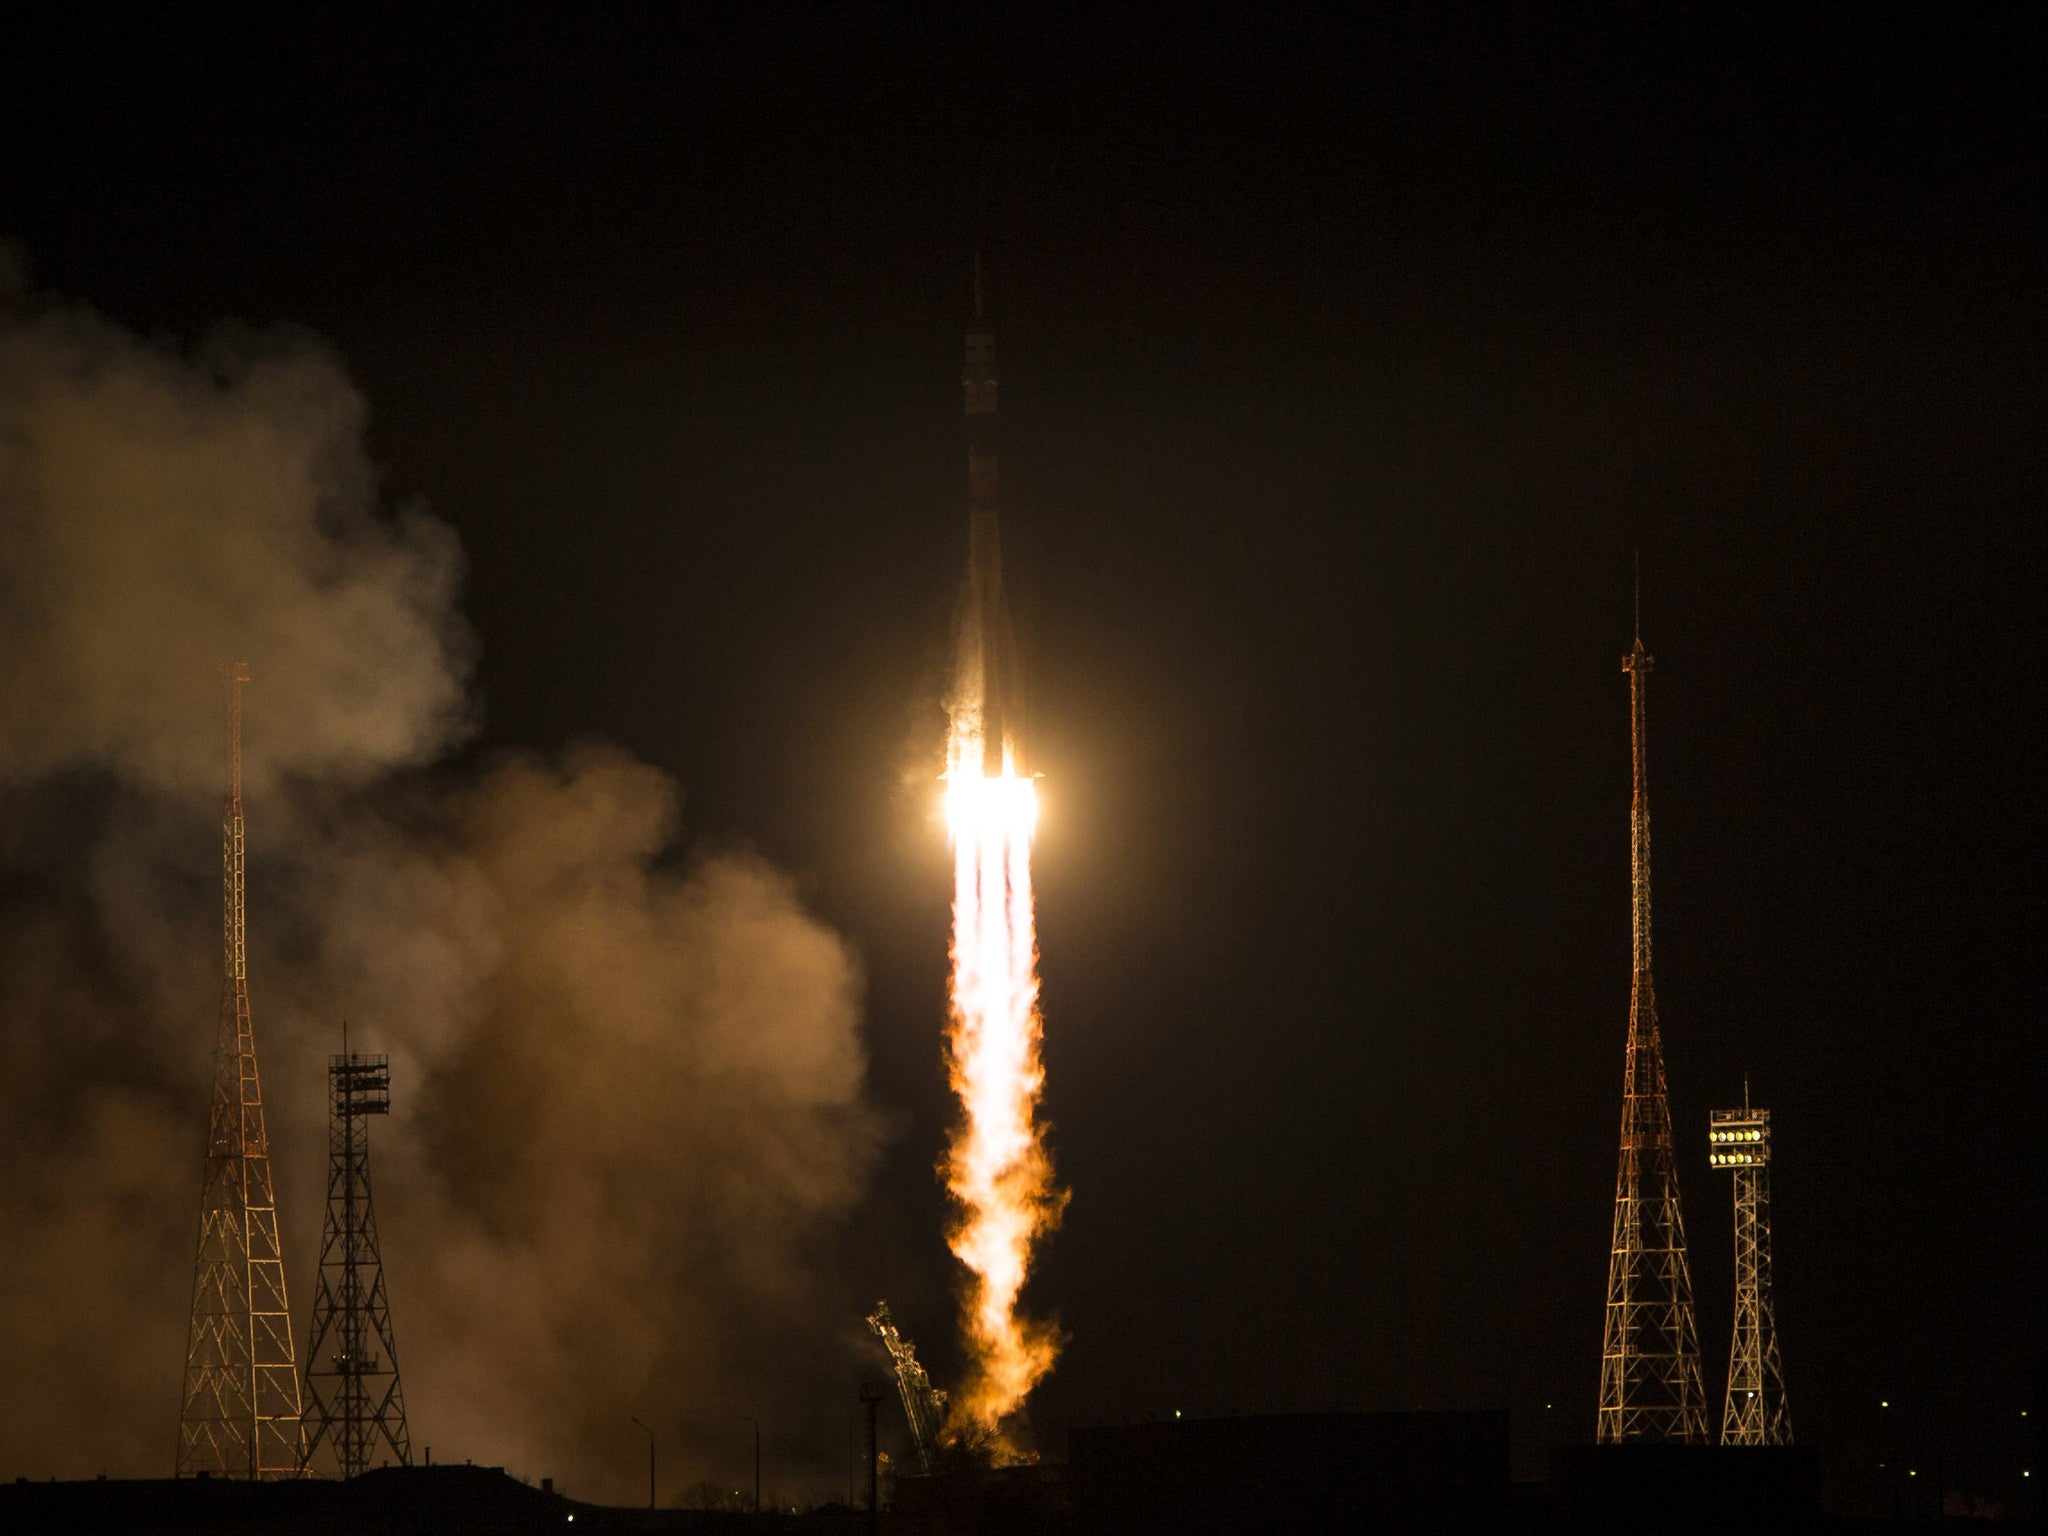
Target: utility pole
pixel 1754 1412
pixel 650 1460
pixel 1650 1358
pixel 240 1414
pixel 871 1395
pixel 749 1418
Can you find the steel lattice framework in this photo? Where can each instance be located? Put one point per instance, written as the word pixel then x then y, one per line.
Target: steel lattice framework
pixel 1650 1360
pixel 1755 1411
pixel 924 1406
pixel 354 1401
pixel 241 1405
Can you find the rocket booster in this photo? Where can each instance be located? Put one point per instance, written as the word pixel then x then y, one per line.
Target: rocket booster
pixel 987 644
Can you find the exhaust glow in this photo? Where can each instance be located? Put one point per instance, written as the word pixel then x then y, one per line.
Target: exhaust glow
pixel 996 1165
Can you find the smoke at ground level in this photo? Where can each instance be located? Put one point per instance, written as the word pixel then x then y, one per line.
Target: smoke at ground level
pixel 629 1107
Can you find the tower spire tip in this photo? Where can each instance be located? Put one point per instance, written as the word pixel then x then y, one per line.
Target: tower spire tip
pixel 1639 599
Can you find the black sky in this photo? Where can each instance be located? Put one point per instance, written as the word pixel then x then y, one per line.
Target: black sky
pixel 1344 374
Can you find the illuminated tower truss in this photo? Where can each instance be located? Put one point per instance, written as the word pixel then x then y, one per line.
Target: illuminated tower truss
pixel 1755 1412
pixel 241 1406
pixel 353 1399
pixel 1650 1360
pixel 924 1406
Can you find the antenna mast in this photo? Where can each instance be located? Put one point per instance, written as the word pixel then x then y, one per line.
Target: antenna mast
pixel 1650 1359
pixel 241 1405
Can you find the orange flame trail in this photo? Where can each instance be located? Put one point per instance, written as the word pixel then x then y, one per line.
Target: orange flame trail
pixel 996 1167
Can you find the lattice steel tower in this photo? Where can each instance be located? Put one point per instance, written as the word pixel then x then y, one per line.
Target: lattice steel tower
pixel 1650 1361
pixel 1755 1412
pixel 354 1401
pixel 241 1408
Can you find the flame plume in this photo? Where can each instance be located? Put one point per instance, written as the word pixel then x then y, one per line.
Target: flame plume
pixel 997 1167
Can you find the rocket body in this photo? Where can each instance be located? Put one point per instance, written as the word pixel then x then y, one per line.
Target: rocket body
pixel 997 1168
pixel 987 651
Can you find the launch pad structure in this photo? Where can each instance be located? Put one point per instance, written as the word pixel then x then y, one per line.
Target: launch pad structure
pixel 1755 1411
pixel 1650 1386
pixel 924 1406
pixel 355 1402
pixel 240 1416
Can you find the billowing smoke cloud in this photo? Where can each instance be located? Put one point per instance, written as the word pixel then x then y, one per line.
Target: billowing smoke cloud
pixel 629 1118
pixel 165 514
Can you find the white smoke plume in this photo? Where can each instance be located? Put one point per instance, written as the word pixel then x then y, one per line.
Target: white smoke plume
pixel 629 1116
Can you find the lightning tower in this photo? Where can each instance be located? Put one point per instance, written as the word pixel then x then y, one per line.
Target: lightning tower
pixel 1755 1412
pixel 241 1408
pixel 1650 1360
pixel 354 1402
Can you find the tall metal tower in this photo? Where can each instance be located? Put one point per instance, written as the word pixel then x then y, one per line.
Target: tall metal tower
pixel 1650 1361
pixel 354 1401
pixel 924 1406
pixel 1755 1412
pixel 241 1409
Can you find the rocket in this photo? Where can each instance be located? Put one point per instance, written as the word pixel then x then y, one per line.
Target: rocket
pixel 987 653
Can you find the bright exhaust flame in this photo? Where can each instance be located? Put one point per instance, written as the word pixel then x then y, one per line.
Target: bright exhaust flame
pixel 996 1166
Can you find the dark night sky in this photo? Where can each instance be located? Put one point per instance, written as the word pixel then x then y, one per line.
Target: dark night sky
pixel 1344 374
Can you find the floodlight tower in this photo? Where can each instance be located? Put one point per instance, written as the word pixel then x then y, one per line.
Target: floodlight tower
pixel 1650 1359
pixel 241 1405
pixel 1755 1412
pixel 355 1400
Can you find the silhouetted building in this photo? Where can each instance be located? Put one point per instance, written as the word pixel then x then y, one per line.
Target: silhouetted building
pixel 1029 1500
pixel 386 1501
pixel 1597 1489
pixel 1291 1472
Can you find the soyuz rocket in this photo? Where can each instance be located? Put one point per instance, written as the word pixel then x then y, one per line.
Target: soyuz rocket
pixel 988 646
